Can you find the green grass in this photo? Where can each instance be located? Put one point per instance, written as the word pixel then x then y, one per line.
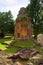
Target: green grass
pixel 3 47
pixel 26 43
pixel 7 40
pixel 11 49
pixel 39 49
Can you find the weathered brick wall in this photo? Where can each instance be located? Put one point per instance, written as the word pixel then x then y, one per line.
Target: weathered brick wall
pixel 23 27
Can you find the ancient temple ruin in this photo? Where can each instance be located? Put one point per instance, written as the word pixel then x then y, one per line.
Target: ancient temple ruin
pixel 23 26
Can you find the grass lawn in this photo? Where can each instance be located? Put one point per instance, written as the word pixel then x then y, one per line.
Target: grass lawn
pixel 3 47
pixel 6 39
pixel 26 43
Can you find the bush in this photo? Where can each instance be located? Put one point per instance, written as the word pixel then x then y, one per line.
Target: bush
pixel 1 35
pixel 21 16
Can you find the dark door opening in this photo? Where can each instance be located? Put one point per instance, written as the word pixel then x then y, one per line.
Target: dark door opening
pixel 18 35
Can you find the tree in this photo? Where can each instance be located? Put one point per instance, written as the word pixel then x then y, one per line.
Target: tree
pixel 34 11
pixel 6 22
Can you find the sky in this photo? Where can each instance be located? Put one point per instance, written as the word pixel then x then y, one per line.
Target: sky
pixel 13 5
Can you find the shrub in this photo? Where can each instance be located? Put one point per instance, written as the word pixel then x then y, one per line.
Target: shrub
pixel 1 35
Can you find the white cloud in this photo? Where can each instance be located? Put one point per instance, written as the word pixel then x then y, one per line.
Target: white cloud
pixel 8 2
pixel 13 5
pixel 14 10
pixel 11 1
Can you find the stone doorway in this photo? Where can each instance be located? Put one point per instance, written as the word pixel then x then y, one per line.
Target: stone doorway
pixel 18 35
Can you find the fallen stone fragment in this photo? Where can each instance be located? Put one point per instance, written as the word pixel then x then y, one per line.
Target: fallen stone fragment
pixel 24 56
pixel 40 39
pixel 23 53
pixel 29 63
pixel 40 62
pixel 17 63
pixel 13 56
pixel 37 56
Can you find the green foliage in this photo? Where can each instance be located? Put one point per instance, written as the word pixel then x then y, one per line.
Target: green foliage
pixel 21 16
pixel 24 23
pixel 34 10
pixel 6 22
